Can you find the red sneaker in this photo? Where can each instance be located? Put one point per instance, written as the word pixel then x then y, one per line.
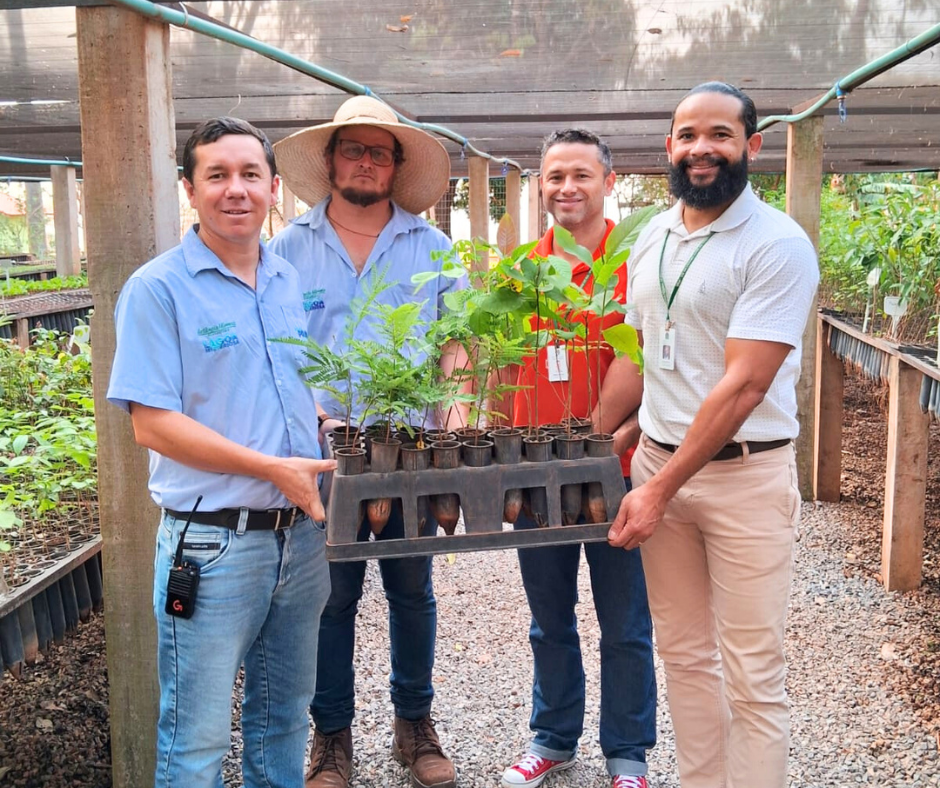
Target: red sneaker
pixel 532 769
pixel 629 781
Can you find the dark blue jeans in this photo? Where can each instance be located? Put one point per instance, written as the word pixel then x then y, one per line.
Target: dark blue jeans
pixel 412 617
pixel 628 680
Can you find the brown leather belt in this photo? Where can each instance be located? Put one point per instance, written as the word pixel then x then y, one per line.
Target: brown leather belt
pixel 732 450
pixel 258 519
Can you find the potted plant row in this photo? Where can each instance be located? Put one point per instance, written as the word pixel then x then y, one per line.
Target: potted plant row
pixel 392 388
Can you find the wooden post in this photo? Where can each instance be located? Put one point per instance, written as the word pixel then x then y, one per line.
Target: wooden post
pixel 36 221
pixel 830 382
pixel 289 211
pixel 68 261
pixel 22 332
pixel 480 203
pixel 902 545
pixel 132 214
pixel 535 209
pixel 514 199
pixel 804 181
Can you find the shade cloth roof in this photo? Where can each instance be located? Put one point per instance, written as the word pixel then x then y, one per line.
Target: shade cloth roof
pixel 504 73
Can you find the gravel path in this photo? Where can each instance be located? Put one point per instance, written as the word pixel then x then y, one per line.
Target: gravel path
pixel 846 645
pixel 864 665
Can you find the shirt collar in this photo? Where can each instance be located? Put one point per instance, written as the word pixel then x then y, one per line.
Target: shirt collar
pixel 400 222
pixel 200 257
pixel 735 214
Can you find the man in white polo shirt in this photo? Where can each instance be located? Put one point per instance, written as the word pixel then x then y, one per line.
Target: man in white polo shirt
pixel 720 287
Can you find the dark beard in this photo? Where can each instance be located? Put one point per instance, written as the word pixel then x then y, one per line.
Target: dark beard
pixel 364 199
pixel 728 184
pixel 357 197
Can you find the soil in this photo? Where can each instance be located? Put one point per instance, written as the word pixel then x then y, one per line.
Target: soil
pixel 54 719
pixel 915 675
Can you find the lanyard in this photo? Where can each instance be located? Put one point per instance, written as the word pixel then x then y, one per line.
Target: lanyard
pixel 668 300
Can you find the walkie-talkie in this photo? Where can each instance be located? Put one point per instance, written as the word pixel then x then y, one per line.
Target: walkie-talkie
pixel 184 578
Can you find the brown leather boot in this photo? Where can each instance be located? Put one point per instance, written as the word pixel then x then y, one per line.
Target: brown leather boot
pixel 330 760
pixel 415 746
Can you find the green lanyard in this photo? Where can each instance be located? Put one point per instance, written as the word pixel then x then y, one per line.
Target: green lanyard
pixel 668 300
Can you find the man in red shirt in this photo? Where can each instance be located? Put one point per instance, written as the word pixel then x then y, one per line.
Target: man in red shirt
pixel 576 176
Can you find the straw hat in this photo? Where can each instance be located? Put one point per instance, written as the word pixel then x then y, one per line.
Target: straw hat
pixel 420 179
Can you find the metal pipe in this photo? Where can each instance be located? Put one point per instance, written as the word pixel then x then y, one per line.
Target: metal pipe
pixel 46 162
pixel 862 75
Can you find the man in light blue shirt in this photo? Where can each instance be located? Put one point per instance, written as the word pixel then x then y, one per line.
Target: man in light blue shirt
pixel 367 176
pixel 242 579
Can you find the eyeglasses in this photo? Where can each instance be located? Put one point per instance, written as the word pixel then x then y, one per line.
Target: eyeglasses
pixel 352 150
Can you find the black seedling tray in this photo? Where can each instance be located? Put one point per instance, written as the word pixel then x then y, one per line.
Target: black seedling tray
pixel 481 492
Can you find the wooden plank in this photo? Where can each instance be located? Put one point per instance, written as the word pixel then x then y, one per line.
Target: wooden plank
pixel 804 181
pixel 132 214
pixel 22 332
pixel 883 345
pixel 480 202
pixel 535 208
pixel 68 261
pixel 514 199
pixel 289 209
pixel 830 382
pixel 902 544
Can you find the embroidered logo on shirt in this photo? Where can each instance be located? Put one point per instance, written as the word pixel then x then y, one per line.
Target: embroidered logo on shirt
pixel 216 337
pixel 313 300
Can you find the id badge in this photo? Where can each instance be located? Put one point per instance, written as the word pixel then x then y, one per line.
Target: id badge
pixel 667 347
pixel 556 357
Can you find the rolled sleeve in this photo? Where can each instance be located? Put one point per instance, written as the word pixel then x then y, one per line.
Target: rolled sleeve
pixel 147 365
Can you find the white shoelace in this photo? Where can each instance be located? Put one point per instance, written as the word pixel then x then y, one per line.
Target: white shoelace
pixel 530 763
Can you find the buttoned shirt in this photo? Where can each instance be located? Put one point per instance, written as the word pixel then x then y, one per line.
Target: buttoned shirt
pixel 194 338
pixel 753 279
pixel 332 288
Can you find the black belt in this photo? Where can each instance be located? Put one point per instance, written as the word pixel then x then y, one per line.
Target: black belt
pixel 258 519
pixel 732 450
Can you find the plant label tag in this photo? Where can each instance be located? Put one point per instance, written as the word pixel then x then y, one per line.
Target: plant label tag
pixel 667 347
pixel 557 360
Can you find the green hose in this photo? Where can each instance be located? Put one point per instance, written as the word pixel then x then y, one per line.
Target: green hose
pixel 862 75
pixel 199 25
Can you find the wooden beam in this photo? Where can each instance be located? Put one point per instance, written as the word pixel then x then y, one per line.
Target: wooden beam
pixel 132 214
pixel 830 382
pixel 68 260
pixel 902 545
pixel 289 209
pixel 535 208
pixel 514 199
pixel 480 202
pixel 804 182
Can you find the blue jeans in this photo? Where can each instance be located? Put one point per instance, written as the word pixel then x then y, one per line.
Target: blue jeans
pixel 412 629
pixel 259 601
pixel 628 680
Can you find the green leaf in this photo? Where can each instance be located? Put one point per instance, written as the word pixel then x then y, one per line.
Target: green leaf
pixel 424 277
pixel 9 520
pixel 625 342
pixel 624 235
pixel 19 443
pixel 566 241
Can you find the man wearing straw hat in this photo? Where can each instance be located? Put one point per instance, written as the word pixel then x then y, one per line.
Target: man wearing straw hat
pixel 366 176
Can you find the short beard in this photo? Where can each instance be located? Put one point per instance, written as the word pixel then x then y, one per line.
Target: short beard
pixel 361 198
pixel 728 184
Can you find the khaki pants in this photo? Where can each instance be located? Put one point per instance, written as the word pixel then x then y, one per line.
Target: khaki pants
pixel 718 571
